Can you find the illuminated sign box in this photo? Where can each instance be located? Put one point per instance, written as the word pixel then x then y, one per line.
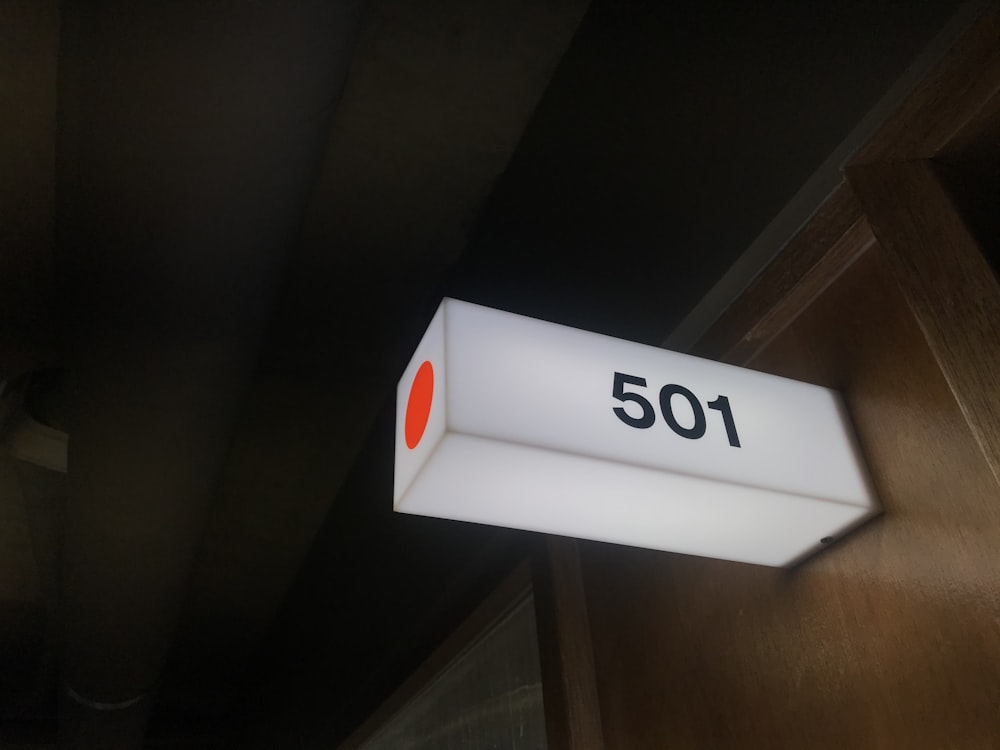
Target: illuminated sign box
pixel 511 421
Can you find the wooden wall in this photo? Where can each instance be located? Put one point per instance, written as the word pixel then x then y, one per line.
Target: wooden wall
pixel 891 637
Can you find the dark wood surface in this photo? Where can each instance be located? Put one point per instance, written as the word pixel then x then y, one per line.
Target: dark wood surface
pixel 953 113
pixel 948 283
pixel 889 639
pixel 572 710
pixel 815 252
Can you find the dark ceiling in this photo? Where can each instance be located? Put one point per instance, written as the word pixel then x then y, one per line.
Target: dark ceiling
pixel 598 166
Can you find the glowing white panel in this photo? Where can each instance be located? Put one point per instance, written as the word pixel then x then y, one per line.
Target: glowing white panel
pixel 511 421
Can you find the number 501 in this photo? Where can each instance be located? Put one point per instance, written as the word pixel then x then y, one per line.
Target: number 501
pixel 667 393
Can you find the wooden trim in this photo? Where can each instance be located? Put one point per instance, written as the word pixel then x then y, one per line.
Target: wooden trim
pixel 890 205
pixel 857 240
pixel 508 595
pixel 822 250
pixel 569 683
pixel 953 113
pixel 949 111
pixel 948 283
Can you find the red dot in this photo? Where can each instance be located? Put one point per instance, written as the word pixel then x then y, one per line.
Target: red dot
pixel 418 405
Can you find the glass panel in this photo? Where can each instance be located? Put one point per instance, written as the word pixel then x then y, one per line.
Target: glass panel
pixel 489 698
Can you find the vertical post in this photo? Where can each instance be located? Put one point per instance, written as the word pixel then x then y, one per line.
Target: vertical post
pixel 572 709
pixel 949 285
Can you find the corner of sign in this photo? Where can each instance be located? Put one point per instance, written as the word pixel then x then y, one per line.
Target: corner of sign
pixel 873 512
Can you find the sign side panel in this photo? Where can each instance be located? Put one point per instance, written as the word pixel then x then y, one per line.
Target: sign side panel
pixel 414 409
pixel 486 481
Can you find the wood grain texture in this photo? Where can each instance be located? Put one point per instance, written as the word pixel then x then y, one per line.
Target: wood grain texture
pixel 817 251
pixel 948 283
pixel 951 110
pixel 572 710
pixel 954 113
pixel 889 639
pixel 857 240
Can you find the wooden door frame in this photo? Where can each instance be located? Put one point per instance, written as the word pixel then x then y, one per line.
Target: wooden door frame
pixel 890 197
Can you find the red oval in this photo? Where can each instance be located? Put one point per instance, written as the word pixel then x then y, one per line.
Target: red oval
pixel 418 405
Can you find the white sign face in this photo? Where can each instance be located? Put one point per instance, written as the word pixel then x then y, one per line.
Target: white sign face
pixel 511 421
